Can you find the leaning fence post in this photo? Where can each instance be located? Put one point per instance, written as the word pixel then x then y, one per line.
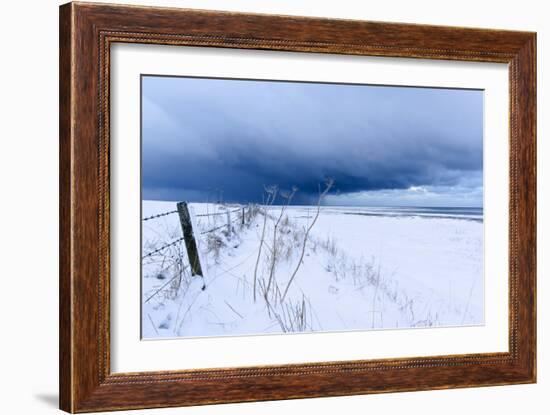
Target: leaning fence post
pixel 189 237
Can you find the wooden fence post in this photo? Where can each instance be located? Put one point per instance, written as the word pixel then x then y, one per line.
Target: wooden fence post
pixel 189 237
pixel 229 226
pixel 243 217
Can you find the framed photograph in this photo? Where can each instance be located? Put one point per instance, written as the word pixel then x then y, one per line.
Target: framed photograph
pixel 259 207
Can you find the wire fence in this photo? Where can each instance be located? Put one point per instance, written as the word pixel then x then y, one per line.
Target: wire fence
pixel 162 248
pixel 214 229
pixel 188 236
pixel 217 213
pixel 185 221
pixel 159 215
pixel 225 225
pixel 165 285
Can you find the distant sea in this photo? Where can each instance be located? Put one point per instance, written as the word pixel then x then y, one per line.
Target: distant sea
pixel 468 213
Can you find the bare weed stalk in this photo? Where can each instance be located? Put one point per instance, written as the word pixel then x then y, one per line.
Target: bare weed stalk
pixel 288 197
pixel 271 195
pixel 328 185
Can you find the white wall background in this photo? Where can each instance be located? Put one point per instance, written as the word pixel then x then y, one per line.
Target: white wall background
pixel 29 192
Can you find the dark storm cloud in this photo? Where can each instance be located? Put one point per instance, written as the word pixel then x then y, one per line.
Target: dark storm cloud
pixel 203 136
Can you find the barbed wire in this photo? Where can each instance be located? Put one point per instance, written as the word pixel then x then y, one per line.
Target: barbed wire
pixel 159 215
pixel 218 213
pixel 221 226
pixel 168 282
pixel 214 229
pixel 237 219
pixel 162 248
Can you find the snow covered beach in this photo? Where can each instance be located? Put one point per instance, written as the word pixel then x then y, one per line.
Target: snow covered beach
pixel 357 269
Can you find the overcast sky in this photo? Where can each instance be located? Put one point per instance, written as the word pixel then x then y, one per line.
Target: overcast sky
pixel 203 139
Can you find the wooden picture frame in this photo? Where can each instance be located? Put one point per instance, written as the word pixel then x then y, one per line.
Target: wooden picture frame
pixel 86 33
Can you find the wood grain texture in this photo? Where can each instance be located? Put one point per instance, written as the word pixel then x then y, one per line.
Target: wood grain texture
pixel 86 33
pixel 65 247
